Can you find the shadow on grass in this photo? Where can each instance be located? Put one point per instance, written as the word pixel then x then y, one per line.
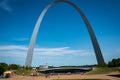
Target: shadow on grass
pixel 80 79
pixel 115 75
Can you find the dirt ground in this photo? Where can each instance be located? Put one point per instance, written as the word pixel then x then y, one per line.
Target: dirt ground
pixel 110 76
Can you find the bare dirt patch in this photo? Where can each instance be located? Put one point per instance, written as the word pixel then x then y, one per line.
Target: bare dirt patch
pixel 75 76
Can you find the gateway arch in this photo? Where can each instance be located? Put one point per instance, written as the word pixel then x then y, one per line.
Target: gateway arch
pixel 96 47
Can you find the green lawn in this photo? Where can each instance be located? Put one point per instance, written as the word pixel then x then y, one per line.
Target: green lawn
pixel 97 70
pixel 102 70
pixel 25 72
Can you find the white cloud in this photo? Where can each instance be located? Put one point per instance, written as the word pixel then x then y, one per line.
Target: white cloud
pixel 12 47
pixel 21 51
pixel 12 53
pixel 4 5
pixel 13 50
pixel 21 39
pixel 59 51
pixel 117 50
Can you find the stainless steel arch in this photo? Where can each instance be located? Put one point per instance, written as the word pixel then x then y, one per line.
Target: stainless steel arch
pixel 97 50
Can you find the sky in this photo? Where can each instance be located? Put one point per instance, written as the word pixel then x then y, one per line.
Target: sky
pixel 63 38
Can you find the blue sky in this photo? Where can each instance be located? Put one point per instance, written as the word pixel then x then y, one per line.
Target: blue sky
pixel 63 38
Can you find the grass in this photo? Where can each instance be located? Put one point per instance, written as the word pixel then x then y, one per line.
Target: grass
pixel 24 72
pixel 27 72
pixel 102 70
pixel 97 70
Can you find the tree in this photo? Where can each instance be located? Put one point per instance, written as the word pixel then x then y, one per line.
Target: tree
pixel 114 63
pixel 3 68
pixel 13 66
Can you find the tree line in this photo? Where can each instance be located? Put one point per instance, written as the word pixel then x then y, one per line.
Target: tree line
pixel 4 67
pixel 114 63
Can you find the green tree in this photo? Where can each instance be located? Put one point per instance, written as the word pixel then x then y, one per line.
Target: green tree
pixel 114 63
pixel 14 66
pixel 28 67
pixel 3 67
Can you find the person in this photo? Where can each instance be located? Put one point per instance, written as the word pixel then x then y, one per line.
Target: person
pixel 7 75
pixel 46 75
pixel 1 76
pixel 58 75
pixel 31 74
pixel 23 74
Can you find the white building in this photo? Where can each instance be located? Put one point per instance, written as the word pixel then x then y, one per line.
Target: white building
pixel 43 66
